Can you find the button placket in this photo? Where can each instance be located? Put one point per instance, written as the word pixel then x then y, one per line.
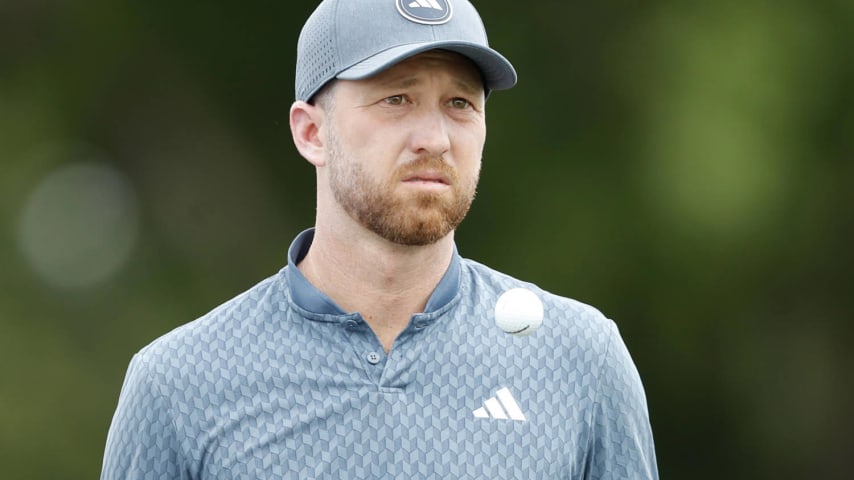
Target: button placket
pixel 365 346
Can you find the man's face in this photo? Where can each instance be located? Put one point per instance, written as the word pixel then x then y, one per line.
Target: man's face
pixel 404 147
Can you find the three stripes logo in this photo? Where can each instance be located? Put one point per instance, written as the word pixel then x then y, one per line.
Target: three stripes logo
pixel 426 4
pixel 427 12
pixel 502 407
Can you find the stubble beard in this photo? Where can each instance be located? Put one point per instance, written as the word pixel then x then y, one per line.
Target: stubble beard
pixel 405 218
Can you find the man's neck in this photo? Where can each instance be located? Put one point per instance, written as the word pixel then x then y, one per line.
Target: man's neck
pixel 385 282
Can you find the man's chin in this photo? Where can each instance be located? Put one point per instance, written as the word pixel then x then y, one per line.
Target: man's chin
pixel 421 228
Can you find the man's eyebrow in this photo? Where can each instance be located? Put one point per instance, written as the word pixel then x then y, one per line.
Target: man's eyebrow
pixel 467 86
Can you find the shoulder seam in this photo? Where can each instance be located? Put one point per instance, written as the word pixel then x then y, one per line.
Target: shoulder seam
pixel 154 385
pixel 591 424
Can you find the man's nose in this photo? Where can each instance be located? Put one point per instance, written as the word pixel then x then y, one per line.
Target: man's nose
pixel 430 133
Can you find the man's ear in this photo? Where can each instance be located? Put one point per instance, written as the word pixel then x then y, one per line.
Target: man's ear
pixel 306 120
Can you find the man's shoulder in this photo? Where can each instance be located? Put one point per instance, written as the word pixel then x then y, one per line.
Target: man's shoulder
pixel 486 281
pixel 575 338
pixel 221 325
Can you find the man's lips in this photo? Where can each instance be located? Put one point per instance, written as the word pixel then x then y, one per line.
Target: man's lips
pixel 427 177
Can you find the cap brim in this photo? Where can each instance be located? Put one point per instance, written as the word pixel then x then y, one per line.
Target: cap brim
pixel 498 73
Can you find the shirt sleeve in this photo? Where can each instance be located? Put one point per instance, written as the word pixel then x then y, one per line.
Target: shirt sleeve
pixel 142 442
pixel 621 444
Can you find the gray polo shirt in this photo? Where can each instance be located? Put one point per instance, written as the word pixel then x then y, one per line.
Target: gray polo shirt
pixel 280 383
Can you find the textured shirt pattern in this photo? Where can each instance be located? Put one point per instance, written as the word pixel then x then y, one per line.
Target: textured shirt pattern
pixel 279 383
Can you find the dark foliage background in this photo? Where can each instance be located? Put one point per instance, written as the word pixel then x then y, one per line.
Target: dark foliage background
pixel 684 166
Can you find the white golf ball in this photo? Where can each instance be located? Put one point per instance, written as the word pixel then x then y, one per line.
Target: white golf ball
pixel 519 312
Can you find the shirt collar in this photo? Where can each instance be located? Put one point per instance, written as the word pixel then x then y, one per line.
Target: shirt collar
pixel 313 301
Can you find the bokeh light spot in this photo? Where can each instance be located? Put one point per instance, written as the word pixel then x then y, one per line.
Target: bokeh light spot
pixel 79 225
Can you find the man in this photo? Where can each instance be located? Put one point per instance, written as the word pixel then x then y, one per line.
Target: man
pixel 374 353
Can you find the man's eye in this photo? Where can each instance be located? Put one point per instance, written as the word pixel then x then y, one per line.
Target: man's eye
pixel 395 100
pixel 460 103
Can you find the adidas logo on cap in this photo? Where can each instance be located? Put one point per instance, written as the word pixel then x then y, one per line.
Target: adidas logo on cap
pixel 427 12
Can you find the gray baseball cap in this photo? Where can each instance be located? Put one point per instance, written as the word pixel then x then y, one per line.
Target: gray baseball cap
pixel 355 39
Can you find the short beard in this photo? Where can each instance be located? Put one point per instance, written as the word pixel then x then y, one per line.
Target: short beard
pixel 422 218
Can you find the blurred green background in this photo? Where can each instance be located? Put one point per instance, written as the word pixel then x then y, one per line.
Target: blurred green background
pixel 687 167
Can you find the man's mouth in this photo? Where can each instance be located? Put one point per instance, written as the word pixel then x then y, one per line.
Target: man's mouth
pixel 427 178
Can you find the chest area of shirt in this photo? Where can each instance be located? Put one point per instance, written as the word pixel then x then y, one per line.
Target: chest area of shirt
pixel 371 433
pixel 437 405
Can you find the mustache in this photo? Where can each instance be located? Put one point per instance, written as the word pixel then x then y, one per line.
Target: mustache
pixel 422 164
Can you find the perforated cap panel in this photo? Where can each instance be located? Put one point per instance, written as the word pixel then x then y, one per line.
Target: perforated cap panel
pixel 316 56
